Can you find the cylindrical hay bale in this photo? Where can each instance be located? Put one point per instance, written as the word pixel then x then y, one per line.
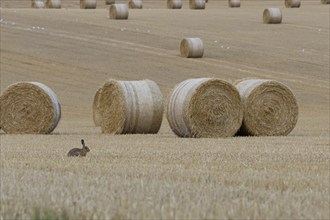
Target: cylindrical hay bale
pixel 272 16
pixel 87 4
pixel 131 107
pixel 292 3
pixel 96 108
pixel 234 3
pixel 174 4
pixel 192 48
pixel 197 4
pixel 270 108
pixel 109 2
pixel 135 4
pixel 118 11
pixel 37 4
pixel 325 1
pixel 205 107
pixel 53 4
pixel 29 108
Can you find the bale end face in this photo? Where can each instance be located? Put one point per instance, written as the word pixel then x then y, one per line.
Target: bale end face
pixel 272 16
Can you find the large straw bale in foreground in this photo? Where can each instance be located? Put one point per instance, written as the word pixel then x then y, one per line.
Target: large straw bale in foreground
pixel 270 108
pixel 174 4
pixel 87 4
pixel 205 107
pixel 29 108
pixel 37 4
pixel 96 108
pixel 292 3
pixel 272 16
pixel 197 4
pixel 118 11
pixel 53 4
pixel 131 107
pixel 192 47
pixel 135 4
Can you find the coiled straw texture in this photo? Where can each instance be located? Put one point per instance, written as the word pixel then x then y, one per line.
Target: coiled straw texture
pixel 270 108
pixel 204 107
pixel 131 107
pixel 29 108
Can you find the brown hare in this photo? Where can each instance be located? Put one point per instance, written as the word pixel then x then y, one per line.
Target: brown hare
pixel 75 152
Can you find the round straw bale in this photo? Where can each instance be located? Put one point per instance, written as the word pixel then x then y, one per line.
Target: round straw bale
pixel 37 4
pixel 174 4
pixel 234 3
pixel 325 1
pixel 192 48
pixel 118 11
pixel 205 107
pixel 96 112
pixel 272 16
pixel 135 4
pixel 197 4
pixel 292 3
pixel 270 108
pixel 131 107
pixel 53 4
pixel 109 2
pixel 29 108
pixel 87 4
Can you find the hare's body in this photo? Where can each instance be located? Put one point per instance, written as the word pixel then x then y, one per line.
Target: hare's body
pixel 75 152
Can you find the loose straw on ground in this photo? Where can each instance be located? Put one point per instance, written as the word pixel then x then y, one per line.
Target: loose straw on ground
pixel 192 48
pixel 234 3
pixel 37 4
pixel 204 107
pixel 87 4
pixel 174 4
pixel 29 108
pixel 131 107
pixel 292 3
pixel 135 4
pixel 53 4
pixel 270 108
pixel 272 16
pixel 197 4
pixel 118 11
pixel 96 105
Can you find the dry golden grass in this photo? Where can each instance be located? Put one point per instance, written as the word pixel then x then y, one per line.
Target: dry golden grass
pixel 162 176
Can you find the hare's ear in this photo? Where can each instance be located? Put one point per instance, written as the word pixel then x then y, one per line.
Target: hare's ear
pixel 83 142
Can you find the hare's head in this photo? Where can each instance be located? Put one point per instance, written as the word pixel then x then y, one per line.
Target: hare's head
pixel 85 149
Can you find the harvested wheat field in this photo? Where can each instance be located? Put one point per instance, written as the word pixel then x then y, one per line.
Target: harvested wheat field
pixel 161 176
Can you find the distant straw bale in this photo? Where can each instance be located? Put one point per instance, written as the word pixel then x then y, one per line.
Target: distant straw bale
pixel 87 4
pixel 325 1
pixel 135 4
pixel 204 107
pixel 292 3
pixel 197 4
pixel 174 4
pixel 234 3
pixel 96 112
pixel 131 107
pixel 270 108
pixel 272 16
pixel 118 11
pixel 37 4
pixel 53 4
pixel 29 108
pixel 110 2
pixel 192 48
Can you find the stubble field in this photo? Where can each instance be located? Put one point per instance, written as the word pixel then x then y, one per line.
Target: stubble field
pixel 74 51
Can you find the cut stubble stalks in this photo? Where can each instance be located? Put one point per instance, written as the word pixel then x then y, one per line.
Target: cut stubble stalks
pixel 205 107
pixel 129 107
pixel 29 108
pixel 270 108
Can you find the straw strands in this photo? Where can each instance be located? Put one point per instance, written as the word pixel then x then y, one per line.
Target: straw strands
pixel 272 16
pixel 292 3
pixel 174 4
pixel 131 107
pixel 53 4
pixel 37 4
pixel 118 11
pixel 270 108
pixel 197 4
pixel 96 105
pixel 204 107
pixel 135 4
pixel 87 4
pixel 192 48
pixel 29 108
pixel 234 3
